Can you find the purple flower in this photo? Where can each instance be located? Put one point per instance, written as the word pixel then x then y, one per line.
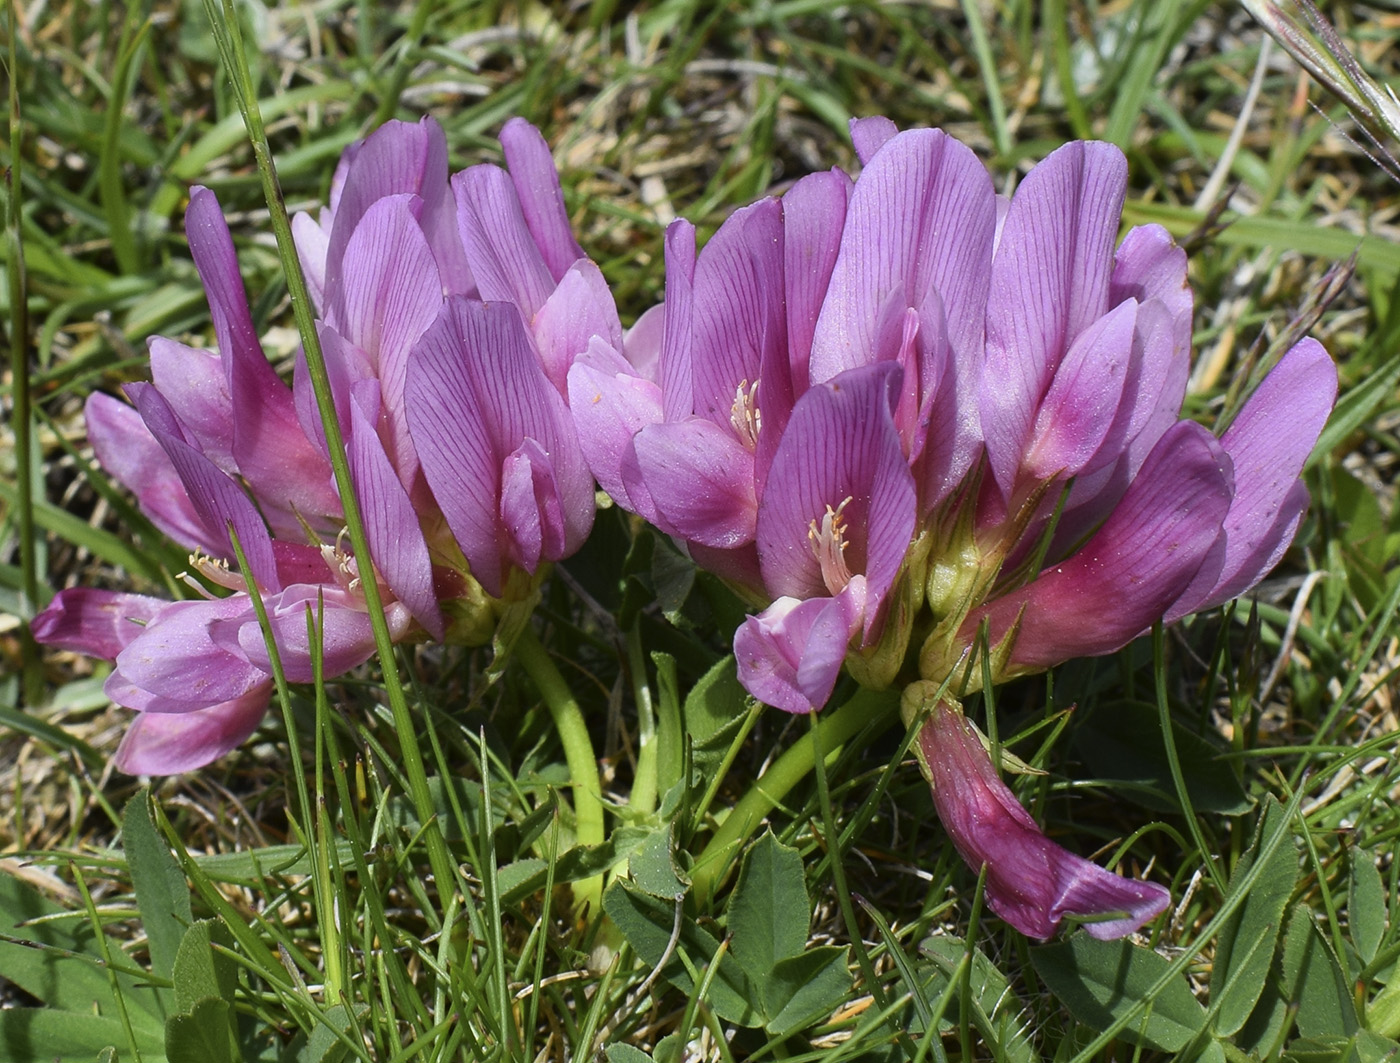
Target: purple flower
pixel 1031 882
pixel 219 440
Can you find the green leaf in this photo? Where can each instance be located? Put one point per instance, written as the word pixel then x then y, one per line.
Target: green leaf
pixel 1313 978
pixel 107 1055
pixel 324 1045
pixel 1112 744
pixel 714 711
pixel 646 922
pixel 769 910
pixel 1100 980
pixel 620 1053
pixel 804 989
pixel 654 868
pixel 202 1035
pixel 1245 948
pixel 997 1012
pixel 162 893
pixel 1363 1047
pixel 42 1035
pixel 62 967
pixel 200 970
pixel 1366 906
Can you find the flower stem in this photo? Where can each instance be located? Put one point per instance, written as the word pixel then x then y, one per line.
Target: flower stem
pixel 229 38
pixel 867 708
pixel 578 754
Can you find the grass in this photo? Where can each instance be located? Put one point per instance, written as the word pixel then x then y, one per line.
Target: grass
pixel 309 849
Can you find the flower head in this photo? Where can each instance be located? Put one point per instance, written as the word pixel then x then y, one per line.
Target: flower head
pixel 419 368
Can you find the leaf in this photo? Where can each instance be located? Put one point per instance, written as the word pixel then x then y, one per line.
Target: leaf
pixel 62 967
pixel 997 1012
pixel 646 922
pixel 1245 948
pixel 201 1035
pixel 200 970
pixel 769 910
pixel 804 989
pixel 1363 1047
pixel 1366 907
pixel 1113 745
pixel 620 1053
pixel 42 1035
pixel 324 1045
pixel 1098 981
pixel 1313 978
pixel 714 711
pixel 162 894
pixel 654 868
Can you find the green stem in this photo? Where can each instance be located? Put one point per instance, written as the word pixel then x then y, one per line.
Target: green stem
pixel 578 754
pixel 230 40
pixel 22 422
pixel 645 789
pixel 866 708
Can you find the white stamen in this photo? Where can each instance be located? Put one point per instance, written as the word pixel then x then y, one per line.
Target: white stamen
pixel 744 415
pixel 829 544
pixel 215 570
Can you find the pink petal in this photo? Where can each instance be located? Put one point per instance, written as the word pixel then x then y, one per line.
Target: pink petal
pixel 541 199
pixel 347 638
pixel 700 478
pixel 610 405
pixel 126 448
pixel 1268 503
pixel 1032 883
pixel 790 655
pixel 186 656
pixel 578 310
pixel 95 622
pixel 871 134
pixel 1133 568
pixel 1050 280
pixel 504 258
pixel 396 540
pixel 170 743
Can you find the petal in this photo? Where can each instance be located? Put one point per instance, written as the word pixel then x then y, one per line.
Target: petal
pixel 505 260
pixel 475 392
pixel 396 540
pixel 735 316
pixel 184 656
pixel 347 637
pixel 922 215
pixel 194 383
pixel 1133 568
pixel 790 655
pixel 701 480
pixel 279 463
pixel 678 333
pixel 610 404
pixel 814 216
pixel 1268 503
pixel 170 743
pixel 398 158
pixel 217 499
pixel 1082 402
pixel 541 199
pixel 1032 883
pixel 578 310
pixel 869 135
pixel 1050 280
pixel 126 448
pixel 312 238
pixel 840 444
pixel 95 622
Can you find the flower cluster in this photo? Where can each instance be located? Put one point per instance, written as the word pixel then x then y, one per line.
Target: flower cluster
pixel 902 415
pixel 463 457
pixel 901 411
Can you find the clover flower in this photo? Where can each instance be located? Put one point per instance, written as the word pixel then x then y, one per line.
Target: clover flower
pixel 217 441
pixel 897 410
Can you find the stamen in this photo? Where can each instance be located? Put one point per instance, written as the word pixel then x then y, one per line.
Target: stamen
pixel 341 562
pixel 215 570
pixel 744 415
pixel 829 544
